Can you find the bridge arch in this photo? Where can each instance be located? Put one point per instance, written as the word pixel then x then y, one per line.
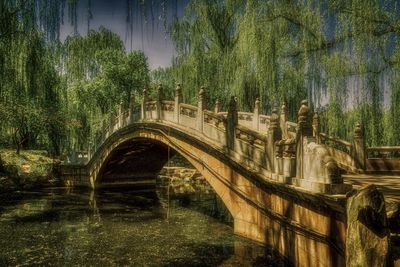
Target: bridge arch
pixel 142 151
pixel 294 222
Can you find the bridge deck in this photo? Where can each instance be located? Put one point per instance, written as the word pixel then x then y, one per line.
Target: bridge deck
pixel 388 184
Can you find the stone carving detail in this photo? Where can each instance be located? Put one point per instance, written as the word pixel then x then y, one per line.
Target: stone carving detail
pixel 188 112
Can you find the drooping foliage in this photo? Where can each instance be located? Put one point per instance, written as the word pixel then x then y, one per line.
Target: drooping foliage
pixel 52 94
pixel 100 76
pixel 341 55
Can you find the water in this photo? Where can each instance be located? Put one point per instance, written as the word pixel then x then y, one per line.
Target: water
pixel 64 227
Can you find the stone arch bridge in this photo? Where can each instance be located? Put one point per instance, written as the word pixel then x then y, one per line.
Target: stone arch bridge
pixel 281 181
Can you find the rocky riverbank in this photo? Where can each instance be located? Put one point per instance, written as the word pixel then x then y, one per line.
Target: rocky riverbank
pixel 29 169
pixel 184 180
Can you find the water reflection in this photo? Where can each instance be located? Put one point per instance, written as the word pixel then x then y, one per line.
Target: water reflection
pixel 122 228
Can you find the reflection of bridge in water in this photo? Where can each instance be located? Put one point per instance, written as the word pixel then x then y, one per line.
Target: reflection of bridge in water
pixel 281 181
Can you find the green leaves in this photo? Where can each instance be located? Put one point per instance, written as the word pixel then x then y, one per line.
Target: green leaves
pixel 337 52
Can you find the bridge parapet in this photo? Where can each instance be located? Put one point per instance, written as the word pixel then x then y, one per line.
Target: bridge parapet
pixel 285 151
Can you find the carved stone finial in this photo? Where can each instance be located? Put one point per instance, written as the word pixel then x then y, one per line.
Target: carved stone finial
pixel 232 103
pixel 316 118
pixel 274 118
pixel 304 109
pixel 303 112
pixel 358 133
pixel 202 92
pixel 178 89
pixel 145 91
pixel 232 110
pixel 304 120
pixel 257 103
pixel 283 108
pixel 217 106
pixel 160 92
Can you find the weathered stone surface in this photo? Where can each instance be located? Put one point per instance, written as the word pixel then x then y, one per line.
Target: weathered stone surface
pixel 393 215
pixel 367 235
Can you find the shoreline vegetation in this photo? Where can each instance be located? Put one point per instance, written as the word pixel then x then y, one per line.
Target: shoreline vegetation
pixel 31 169
pixel 26 170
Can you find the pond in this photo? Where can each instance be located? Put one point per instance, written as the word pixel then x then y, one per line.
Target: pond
pixel 166 227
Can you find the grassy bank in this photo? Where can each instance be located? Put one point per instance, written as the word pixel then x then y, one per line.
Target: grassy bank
pixel 31 168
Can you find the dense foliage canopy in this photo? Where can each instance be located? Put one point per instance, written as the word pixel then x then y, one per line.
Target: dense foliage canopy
pixel 344 56
pixel 54 95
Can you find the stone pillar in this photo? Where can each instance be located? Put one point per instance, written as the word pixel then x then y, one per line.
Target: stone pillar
pixel 282 121
pixel 256 116
pixel 200 109
pixel 178 100
pixel 289 160
pixel 359 152
pixel 231 123
pixel 278 163
pixel 143 105
pixel 160 97
pixel 316 127
pixel 274 134
pixel 367 231
pixel 304 129
pixel 217 108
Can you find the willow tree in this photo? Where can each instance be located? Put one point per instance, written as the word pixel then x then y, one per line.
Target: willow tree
pixel 341 55
pixel 100 76
pixel 47 87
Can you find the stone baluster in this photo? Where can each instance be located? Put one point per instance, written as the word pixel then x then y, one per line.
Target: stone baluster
pixel 231 123
pixel 282 121
pixel 256 115
pixel 278 163
pixel 359 151
pixel 143 106
pixel 217 108
pixel 304 129
pixel 316 127
pixel 131 109
pixel 274 135
pixel 200 109
pixel 178 100
pixel 289 160
pixel 160 97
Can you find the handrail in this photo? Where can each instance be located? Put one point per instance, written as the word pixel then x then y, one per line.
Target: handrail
pixel 387 152
pixel 188 106
pixel 214 119
pixel 384 149
pixel 264 119
pixel 245 113
pixel 167 102
pixel 246 132
pixel 214 115
pixel 252 133
pixel 335 140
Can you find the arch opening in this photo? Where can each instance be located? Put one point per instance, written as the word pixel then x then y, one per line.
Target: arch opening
pixel 137 162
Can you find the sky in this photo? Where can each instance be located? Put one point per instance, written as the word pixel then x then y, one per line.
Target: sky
pixel 153 41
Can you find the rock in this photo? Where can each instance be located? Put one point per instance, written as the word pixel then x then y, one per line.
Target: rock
pixel 367 235
pixel 393 215
pixel 1 165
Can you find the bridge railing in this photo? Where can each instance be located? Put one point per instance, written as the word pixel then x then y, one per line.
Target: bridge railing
pixel 383 159
pixel 269 144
